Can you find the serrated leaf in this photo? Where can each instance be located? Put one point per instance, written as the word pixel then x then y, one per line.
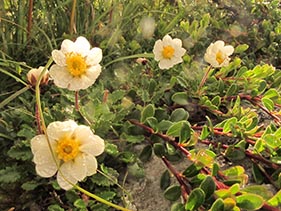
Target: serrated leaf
pixel 249 201
pixel 9 175
pixel 172 193
pixel 55 207
pixel 195 200
pixel 30 185
pixel 164 125
pixel 111 149
pixel 79 203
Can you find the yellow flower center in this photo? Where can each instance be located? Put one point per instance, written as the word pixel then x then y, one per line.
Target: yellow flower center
pixel 67 148
pixel 76 64
pixel 220 57
pixel 168 52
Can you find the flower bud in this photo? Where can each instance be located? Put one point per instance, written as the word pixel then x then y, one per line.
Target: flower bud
pixel 33 76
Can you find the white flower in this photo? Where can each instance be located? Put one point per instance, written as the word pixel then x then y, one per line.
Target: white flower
pixel 217 54
pixel 168 52
pixel 33 76
pixel 74 149
pixel 77 65
pixel 147 27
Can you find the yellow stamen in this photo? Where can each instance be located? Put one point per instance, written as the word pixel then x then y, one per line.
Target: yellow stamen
pixel 67 148
pixel 168 52
pixel 220 57
pixel 76 64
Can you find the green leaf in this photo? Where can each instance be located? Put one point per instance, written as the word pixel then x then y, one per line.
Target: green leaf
pixel 10 174
pixel 275 200
pixel 30 185
pixel 268 103
pixel 191 170
pixel 164 125
pixel 165 180
pixel 178 115
pixel 146 153
pixel 218 205
pixel 204 133
pixel 180 98
pixel 258 176
pixel 241 48
pixel 111 149
pixel 147 112
pixel 234 171
pixel 262 190
pixel 172 193
pixel 229 124
pixel 176 128
pixel 159 149
pixel 232 90
pixel 107 195
pixel 79 203
pixel 249 201
pixel 185 133
pixel 272 141
pixel 271 93
pixel 55 207
pixel 136 170
pixel 208 186
pixel 195 200
pixel 177 207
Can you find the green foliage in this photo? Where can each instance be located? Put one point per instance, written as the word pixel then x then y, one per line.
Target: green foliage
pixel 142 111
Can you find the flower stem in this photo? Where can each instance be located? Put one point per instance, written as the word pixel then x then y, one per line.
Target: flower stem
pixel 77 100
pixel 99 199
pixel 37 95
pixel 71 26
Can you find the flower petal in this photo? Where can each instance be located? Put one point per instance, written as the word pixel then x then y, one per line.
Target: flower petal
pixel 43 158
pixel 56 130
pixel 65 178
pixel 59 57
pixel 78 167
pixel 82 46
pixel 60 75
pixel 94 56
pixel 228 50
pixel 67 46
pixel 91 163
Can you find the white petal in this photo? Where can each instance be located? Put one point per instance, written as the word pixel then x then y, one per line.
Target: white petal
pixel 78 167
pixel 94 56
pixel 219 44
pixel 59 57
pixel 67 46
pixel 60 75
pixel 228 50
pixel 165 64
pixel 43 158
pixel 91 163
pixel 179 52
pixel 167 40
pixel 64 177
pixel 82 46
pixel 176 60
pixel 157 50
pixel 86 80
pixel 90 143
pixel 177 42
pixel 56 130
